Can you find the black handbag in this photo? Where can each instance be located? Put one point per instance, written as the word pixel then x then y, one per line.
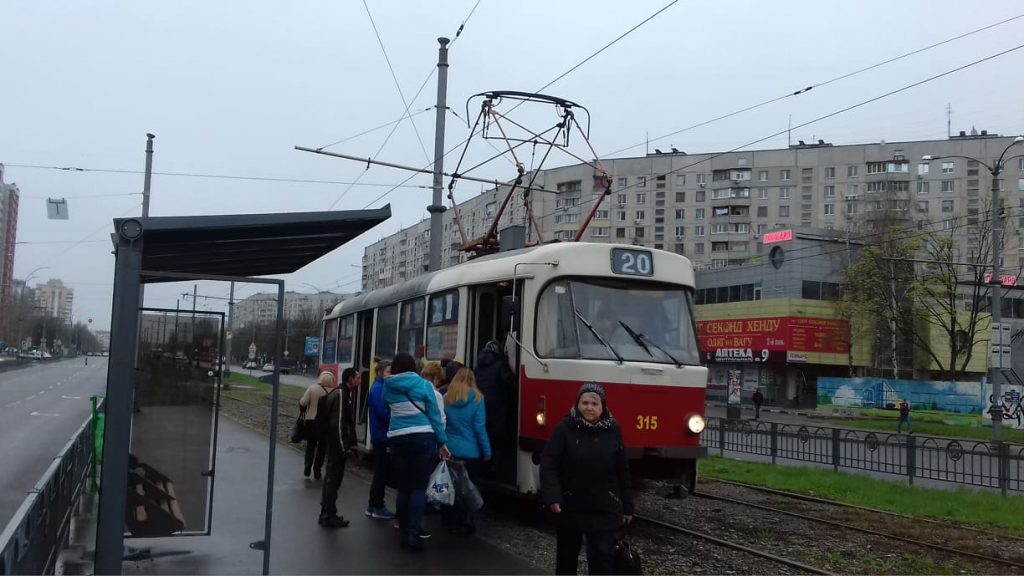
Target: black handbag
pixel 627 558
pixel 299 430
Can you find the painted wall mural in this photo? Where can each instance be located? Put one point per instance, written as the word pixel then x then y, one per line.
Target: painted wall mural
pixel 961 397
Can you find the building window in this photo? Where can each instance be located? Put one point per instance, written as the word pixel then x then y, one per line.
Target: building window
pixel 599 232
pixel 762 211
pixel 700 196
pixel 641 198
pixel 947 205
pixel 640 215
pixel 830 209
pixel 783 211
pixel 762 176
pixel 680 196
pixel 923 168
pixel 698 231
pixel 783 174
pixel 698 248
pixel 762 193
pixel 621 182
pixel 680 232
pixel 638 232
pixel 741 174
pixel 698 214
pixel 680 213
pixel 947 185
pixel 620 215
pixel 830 191
pixel 851 208
pixel 947 225
pixel 621 199
pixel 702 178
pixel 1020 164
pixel 923 187
pixel 620 232
pixel 922 206
pixel 830 172
pixel 680 179
pixel 852 189
pixel 641 181
pixel 574 186
pixel 601 215
pixel 720 193
pixel 719 228
pixel 851 171
pixel 784 193
pixel 876 167
pixel 948 167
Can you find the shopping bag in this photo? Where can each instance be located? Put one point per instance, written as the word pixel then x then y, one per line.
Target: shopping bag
pixel 627 558
pixel 298 430
pixel 440 489
pixel 466 493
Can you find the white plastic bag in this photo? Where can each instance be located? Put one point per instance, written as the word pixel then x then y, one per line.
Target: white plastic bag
pixel 440 489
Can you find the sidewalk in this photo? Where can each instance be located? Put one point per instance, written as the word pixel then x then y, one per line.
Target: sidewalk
pixel 299 545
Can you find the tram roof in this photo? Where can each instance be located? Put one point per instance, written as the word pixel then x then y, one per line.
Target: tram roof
pixel 476 271
pixel 248 244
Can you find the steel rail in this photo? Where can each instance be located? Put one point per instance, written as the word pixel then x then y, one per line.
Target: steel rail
pixel 732 545
pixel 844 525
pixel 818 500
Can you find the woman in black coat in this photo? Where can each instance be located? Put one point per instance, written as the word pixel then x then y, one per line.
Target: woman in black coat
pixel 584 477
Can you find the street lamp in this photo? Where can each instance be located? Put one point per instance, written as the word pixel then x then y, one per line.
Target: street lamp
pixel 995 410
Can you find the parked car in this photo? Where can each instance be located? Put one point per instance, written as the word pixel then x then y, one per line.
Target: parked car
pixel 268 367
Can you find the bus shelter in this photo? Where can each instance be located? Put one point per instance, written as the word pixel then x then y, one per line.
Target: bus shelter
pixel 228 248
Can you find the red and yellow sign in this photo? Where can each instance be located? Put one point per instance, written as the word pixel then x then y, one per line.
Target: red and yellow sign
pixel 755 339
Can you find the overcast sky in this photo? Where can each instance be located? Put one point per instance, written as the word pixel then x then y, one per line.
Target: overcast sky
pixel 230 87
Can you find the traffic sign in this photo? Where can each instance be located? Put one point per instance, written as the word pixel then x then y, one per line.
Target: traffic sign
pixel 252 351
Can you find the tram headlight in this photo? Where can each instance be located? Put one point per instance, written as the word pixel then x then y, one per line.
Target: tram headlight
pixel 542 411
pixel 695 423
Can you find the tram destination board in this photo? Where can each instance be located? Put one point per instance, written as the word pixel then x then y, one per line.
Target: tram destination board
pixel 632 262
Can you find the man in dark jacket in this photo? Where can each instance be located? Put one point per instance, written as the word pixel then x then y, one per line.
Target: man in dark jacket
pixel 584 477
pixel 495 380
pixel 758 400
pixel 336 420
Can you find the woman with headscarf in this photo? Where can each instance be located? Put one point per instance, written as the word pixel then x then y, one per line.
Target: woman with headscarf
pixel 584 477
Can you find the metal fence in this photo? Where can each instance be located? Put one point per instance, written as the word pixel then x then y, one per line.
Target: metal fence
pixel 996 465
pixel 33 539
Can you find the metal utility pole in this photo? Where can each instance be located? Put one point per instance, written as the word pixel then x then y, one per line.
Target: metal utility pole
pixel 437 209
pixel 231 328
pixel 149 175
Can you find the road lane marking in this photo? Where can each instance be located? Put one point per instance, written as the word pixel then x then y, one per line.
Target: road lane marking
pixel 30 397
pixel 51 387
pixel 43 414
pixel 71 397
pixel 15 403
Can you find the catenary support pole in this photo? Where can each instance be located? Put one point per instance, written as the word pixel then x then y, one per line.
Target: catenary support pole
pixel 437 208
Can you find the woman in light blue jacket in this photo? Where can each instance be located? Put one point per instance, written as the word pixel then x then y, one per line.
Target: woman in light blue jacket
pixel 467 438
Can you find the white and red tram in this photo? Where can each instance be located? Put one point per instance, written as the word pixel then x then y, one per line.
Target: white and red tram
pixel 568 313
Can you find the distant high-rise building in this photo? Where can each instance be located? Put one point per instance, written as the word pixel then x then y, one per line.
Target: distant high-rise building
pixel 261 308
pixel 8 237
pixel 54 300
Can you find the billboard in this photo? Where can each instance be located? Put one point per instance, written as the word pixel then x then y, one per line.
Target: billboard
pixel 772 339
pixel 312 347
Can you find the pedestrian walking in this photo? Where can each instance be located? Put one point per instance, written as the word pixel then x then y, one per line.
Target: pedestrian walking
pixel 380 419
pixel 904 417
pixel 309 403
pixel 758 400
pixel 336 420
pixel 584 477
pixel 417 439
pixel 467 440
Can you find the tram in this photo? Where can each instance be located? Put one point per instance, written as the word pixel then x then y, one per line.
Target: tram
pixel 565 314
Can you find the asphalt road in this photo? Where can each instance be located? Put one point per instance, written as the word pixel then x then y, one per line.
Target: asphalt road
pixel 41 407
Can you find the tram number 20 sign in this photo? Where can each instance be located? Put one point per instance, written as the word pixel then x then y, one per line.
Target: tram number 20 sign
pixel 632 262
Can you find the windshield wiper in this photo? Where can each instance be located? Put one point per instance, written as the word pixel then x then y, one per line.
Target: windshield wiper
pixel 596 335
pixel 640 339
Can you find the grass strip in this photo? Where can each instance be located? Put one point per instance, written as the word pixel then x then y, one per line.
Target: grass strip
pixel 963 506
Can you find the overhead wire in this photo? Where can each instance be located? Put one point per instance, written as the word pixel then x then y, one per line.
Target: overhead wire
pixel 819 84
pixel 374 129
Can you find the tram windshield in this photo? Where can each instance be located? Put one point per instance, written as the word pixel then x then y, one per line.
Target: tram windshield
pixel 612 319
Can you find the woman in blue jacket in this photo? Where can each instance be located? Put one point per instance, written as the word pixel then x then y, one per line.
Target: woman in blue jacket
pixel 380 419
pixel 417 440
pixel 467 437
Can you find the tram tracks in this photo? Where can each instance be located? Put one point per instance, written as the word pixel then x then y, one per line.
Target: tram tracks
pixel 870 531
pixel 731 545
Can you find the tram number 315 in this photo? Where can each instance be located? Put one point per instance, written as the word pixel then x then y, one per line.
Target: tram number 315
pixel 646 422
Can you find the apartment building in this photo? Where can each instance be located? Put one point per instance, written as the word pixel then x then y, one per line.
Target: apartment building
pixel 54 300
pixel 8 238
pixel 715 207
pixel 261 308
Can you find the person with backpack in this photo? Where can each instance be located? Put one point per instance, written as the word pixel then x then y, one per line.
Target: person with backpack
pixel 309 402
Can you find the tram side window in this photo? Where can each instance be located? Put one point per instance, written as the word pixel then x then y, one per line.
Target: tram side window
pixel 346 332
pixel 410 327
pixel 387 327
pixel 443 325
pixel 330 345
